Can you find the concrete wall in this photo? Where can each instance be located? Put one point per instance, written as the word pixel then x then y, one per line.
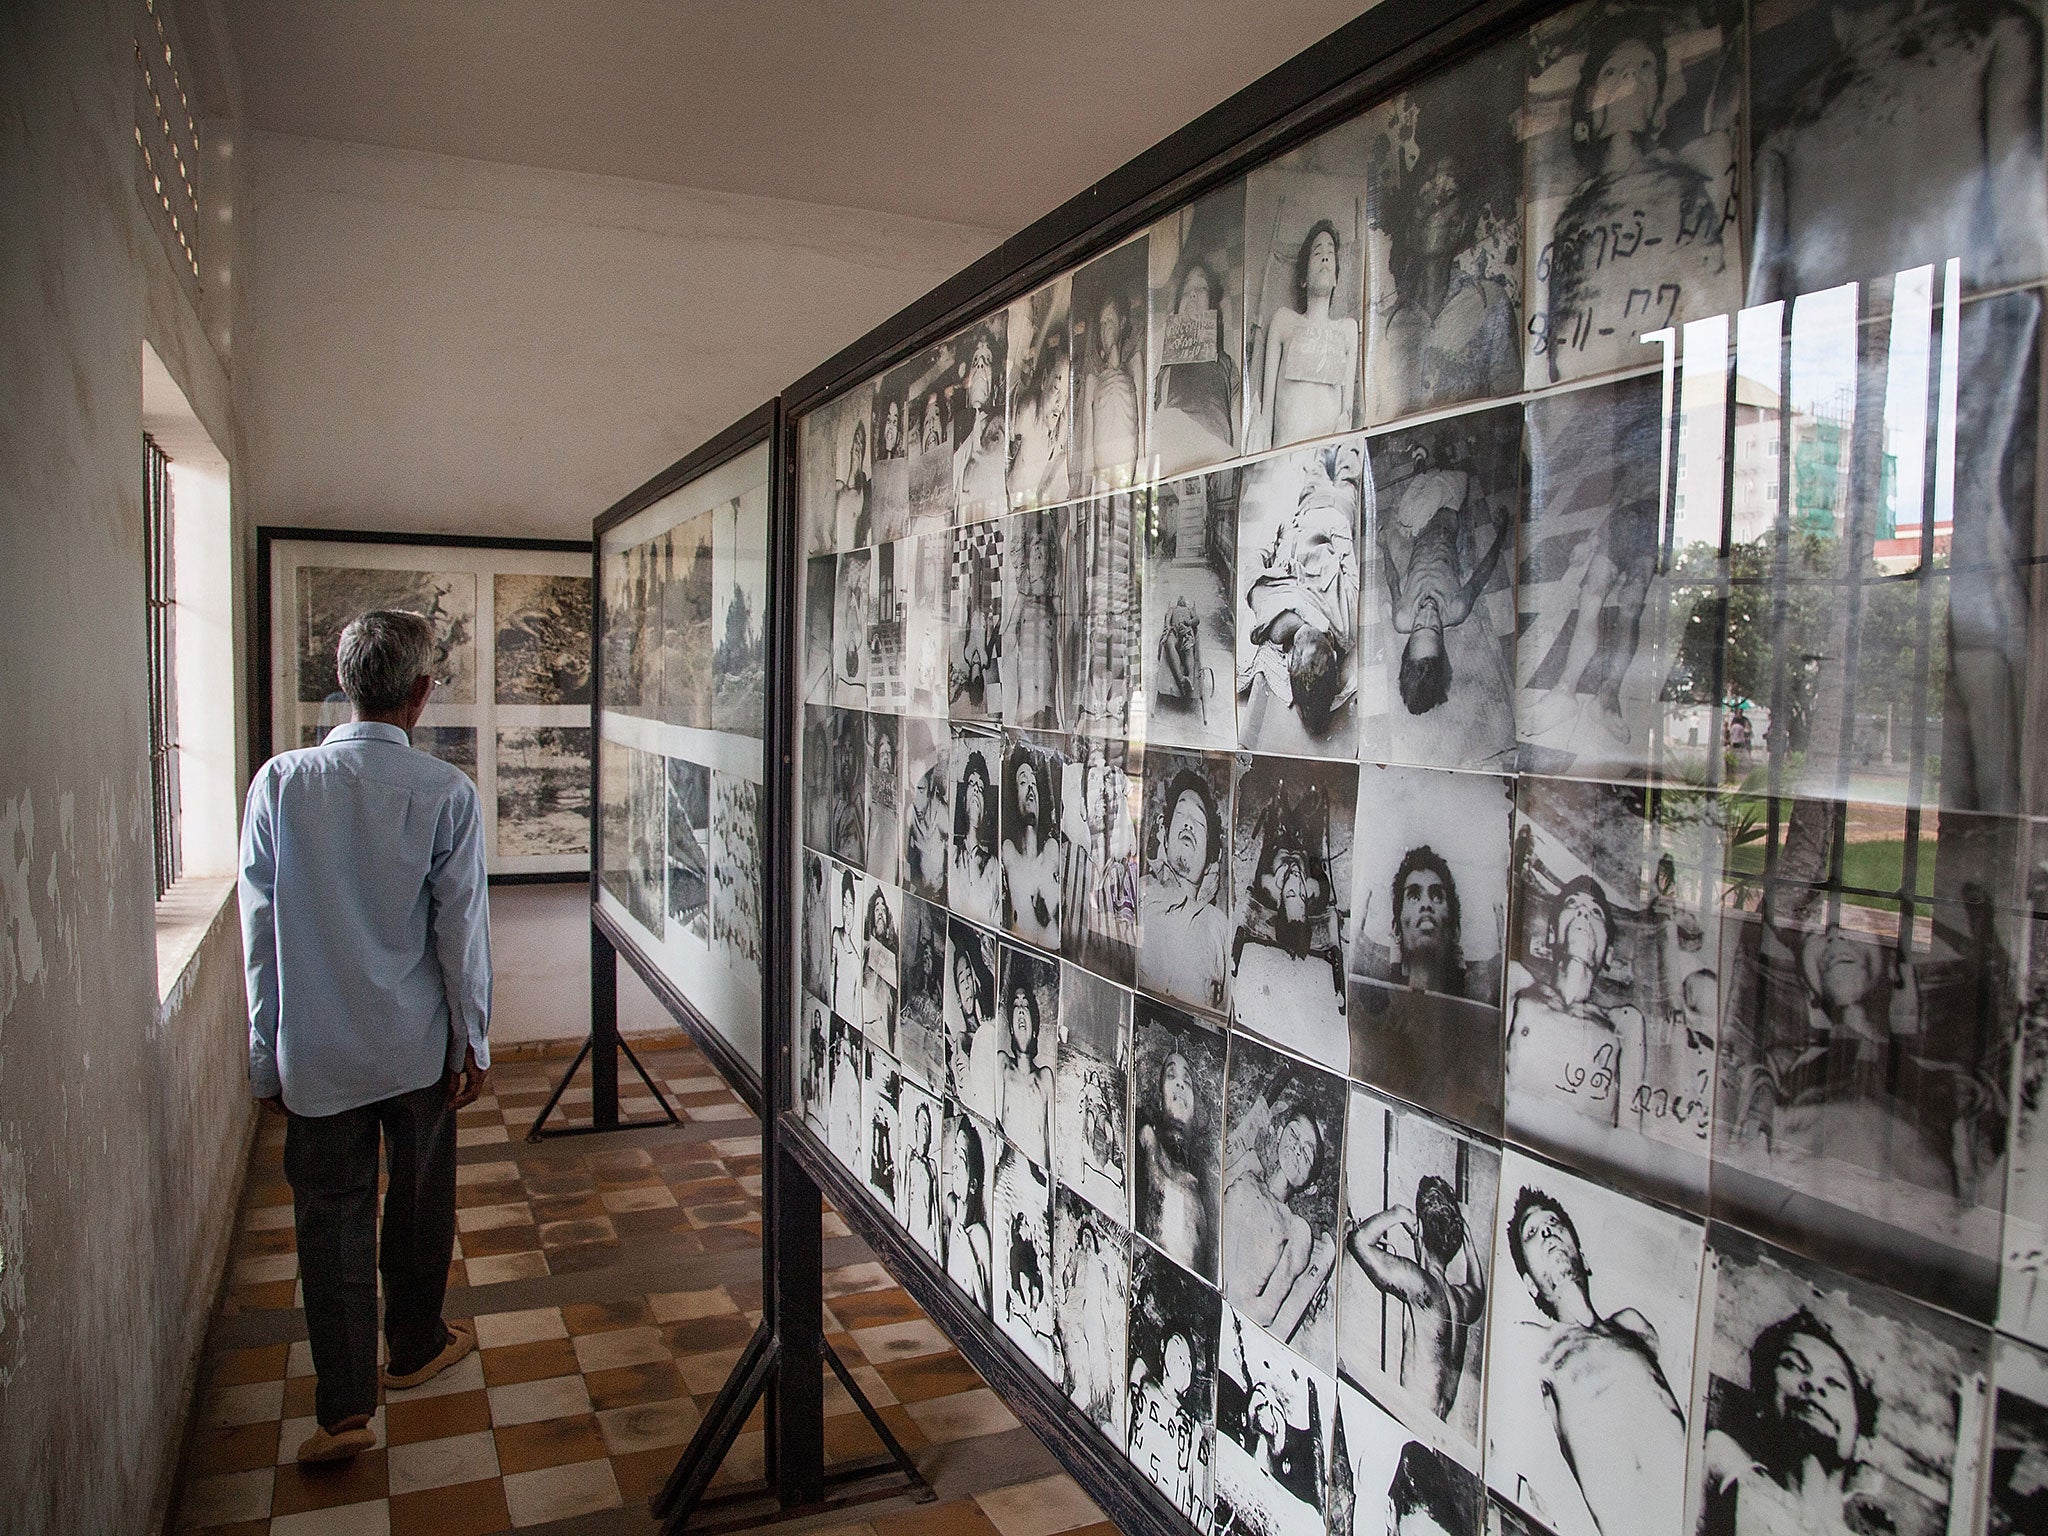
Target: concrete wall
pixel 433 344
pixel 123 1121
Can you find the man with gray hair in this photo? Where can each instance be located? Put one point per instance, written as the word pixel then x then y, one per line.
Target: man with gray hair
pixel 366 931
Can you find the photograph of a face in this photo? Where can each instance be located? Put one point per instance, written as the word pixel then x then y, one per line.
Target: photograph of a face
pixel 924 770
pixel 1299 525
pixel 853 615
pixel 1414 1269
pixel 848 760
pixel 1091 1298
pixel 1188 648
pixel 974 639
pixel 1196 256
pixel 689 847
pixel 1102 801
pixel 739 576
pixel 543 790
pixel 1443 282
pixel 2017 1501
pixel 687 600
pixel 1274 1413
pixel 880 960
pixel 979 420
pixel 1041 395
pixel 844 1090
pixel 1092 1092
pixel 1283 1160
pixel 1110 374
pixel 1884 141
pixel 847 891
pixel 736 872
pixel 1431 870
pixel 885 796
pixel 1436 669
pixel 1185 924
pixel 965 1190
pixel 1029 1003
pixel 1305 223
pixel 921 998
pixel 1175 1329
pixel 1589 1354
pixel 882 1128
pixel 1177 1075
pixel 838 454
pixel 543 641
pixel 1034 851
pixel 1823 1404
pixel 1291 869
pixel 974 878
pixel 931 400
pixel 1382 1479
pixel 1613 990
pixel 888 448
pixel 922 1118
pixel 973 1042
pixel 1023 1285
pixel 329 597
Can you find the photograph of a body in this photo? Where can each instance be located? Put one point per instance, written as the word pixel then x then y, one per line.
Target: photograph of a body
pixel 967 1245
pixel 1188 647
pixel 542 648
pixel 1029 1009
pixel 1274 1414
pixel 1177 1076
pixel 1034 851
pixel 1184 883
pixel 1384 1480
pixel 1304 291
pixel 974 878
pixel 1041 387
pixel 1110 374
pixel 1092 1092
pixel 1023 1289
pixel 921 1040
pixel 1175 1331
pixel 1196 258
pixel 924 772
pixel 973 1039
pixel 1091 1297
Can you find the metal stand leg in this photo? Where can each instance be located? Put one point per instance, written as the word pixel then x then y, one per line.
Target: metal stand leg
pixel 602 1049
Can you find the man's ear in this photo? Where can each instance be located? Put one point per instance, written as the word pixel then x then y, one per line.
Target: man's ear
pixel 417 695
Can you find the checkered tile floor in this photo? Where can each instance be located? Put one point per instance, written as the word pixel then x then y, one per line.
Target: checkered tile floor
pixel 613 1282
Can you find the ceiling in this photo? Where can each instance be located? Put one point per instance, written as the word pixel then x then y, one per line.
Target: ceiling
pixel 972 112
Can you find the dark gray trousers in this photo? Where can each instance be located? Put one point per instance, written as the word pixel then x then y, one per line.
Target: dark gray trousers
pixel 331 1162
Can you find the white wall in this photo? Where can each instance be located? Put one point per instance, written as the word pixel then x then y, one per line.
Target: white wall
pixel 444 345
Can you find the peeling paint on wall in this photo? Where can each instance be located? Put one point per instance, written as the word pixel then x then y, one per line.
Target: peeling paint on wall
pixel 21 944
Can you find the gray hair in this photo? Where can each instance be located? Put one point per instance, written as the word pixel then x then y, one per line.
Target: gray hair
pixel 381 655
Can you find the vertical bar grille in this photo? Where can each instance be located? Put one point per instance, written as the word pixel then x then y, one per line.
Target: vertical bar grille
pixel 162 614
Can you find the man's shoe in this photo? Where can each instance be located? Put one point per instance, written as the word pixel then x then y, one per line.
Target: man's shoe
pixel 337 1445
pixel 461 1340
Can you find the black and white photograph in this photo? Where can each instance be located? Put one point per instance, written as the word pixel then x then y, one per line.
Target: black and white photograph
pixel 888 450
pixel 1274 1414
pixel 979 420
pixel 1092 1092
pixel 819 897
pixel 1105 554
pixel 1110 376
pixel 1635 224
pixel 821 609
pixel 817 777
pixel 1864 1081
pixel 2017 1500
pixel 848 757
pixel 924 774
pixel 1033 847
pixel 543 789
pixel 1189 641
pixel 1102 802
pixel 331 596
pixel 646 837
pixel 888 628
pixel 736 872
pixel 1041 352
pixel 1601 661
pixel 1039 641
pixel 1197 279
pixel 1414 1272
pixel 1283 1160
pixel 615 822
pixel 1023 1285
pixel 1291 868
pixel 689 847
pixel 847 961
pixel 931 398
pixel 2023 1287
pixel 1091 1255
pixel 1887 138
pixel 927 624
pixel 1299 524
pixel 881 1162
pixel 454 745
pixel 1824 1405
pixel 1305 226
pixel 853 610
pixel 974 876
pixel 974 637
pixel 1185 921
pixel 922 1117
pixel 845 1088
pixel 543 642
pixel 1175 1329
pixel 1177 1073
pixel 1385 1482
pixel 1613 986
pixel 1589 1354
pixel 814 1066
pixel 965 1190
pixel 1436 668
pixel 630 647
pixel 885 796
pixel 739 588
pixel 686 613
pixel 1029 1024
pixel 1443 271
pixel 921 995
pixel 838 468
pixel 974 1044
pixel 880 959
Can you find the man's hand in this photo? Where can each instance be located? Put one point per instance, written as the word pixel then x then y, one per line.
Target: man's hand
pixel 465 1083
pixel 275 1105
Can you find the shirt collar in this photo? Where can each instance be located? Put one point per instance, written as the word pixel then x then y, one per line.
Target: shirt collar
pixel 367 730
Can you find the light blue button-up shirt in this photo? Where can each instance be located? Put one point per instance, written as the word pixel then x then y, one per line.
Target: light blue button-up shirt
pixel 365 921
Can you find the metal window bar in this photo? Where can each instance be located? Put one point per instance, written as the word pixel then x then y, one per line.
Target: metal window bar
pixel 160 586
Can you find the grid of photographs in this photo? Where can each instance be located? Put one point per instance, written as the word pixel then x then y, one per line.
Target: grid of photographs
pixel 1467 817
pixel 682 709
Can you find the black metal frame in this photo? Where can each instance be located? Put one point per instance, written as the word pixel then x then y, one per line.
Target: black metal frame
pixel 261 715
